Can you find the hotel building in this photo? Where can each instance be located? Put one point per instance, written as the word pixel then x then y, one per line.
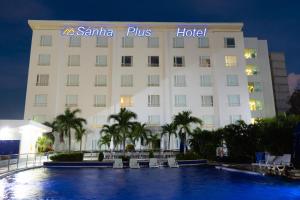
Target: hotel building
pixel 153 69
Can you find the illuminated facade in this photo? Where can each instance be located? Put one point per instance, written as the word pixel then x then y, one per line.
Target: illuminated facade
pixel 158 72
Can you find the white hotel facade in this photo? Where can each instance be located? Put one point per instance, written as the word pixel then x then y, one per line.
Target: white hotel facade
pixel 221 78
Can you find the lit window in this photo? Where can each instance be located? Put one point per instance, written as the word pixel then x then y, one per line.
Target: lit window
pixel 100 80
pixel 205 81
pixel 75 41
pixel 229 42
pixel 44 59
pixel 153 61
pixel 251 70
pixel 178 42
pixel 203 42
pixel 180 100
pixel 250 53
pixel 72 80
pixel 250 87
pixel 153 42
pixel 126 101
pixel 102 42
pixel 207 101
pixel 255 105
pixel 127 61
pixel 127 42
pixel 178 61
pixel 127 80
pixel 153 101
pixel 179 81
pixel 204 61
pixel 234 100
pixel 153 119
pixel 42 80
pixel 153 80
pixel 46 41
pixel 74 60
pixel 253 120
pixel 101 60
pixel 100 101
pixel 40 100
pixel 230 61
pixel 232 80
pixel 71 100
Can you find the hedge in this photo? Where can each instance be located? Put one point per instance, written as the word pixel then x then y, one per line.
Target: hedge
pixel 73 157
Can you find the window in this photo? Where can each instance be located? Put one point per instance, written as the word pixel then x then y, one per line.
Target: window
pixel 44 59
pixel 39 118
pixel 153 100
pixel 208 121
pixel 179 81
pixel 127 80
pixel 178 61
pixel 203 42
pixel 75 41
pixel 74 60
pixel 127 42
pixel 153 61
pixel 127 61
pixel 251 70
pixel 153 42
pixel 250 87
pixel 250 53
pixel 100 101
pixel 255 105
pixel 153 119
pixel 101 60
pixel 229 42
pixel 234 100
pixel 46 41
pixel 71 100
pixel 100 80
pixel 205 80
pixel 99 119
pixel 204 61
pixel 72 80
pixel 178 42
pixel 257 87
pixel 180 100
pixel 42 80
pixel 207 101
pixel 235 118
pixel 153 80
pixel 102 42
pixel 230 61
pixel 232 80
pixel 40 100
pixel 126 101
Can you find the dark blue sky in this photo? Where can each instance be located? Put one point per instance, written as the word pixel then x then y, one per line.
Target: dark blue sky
pixel 276 21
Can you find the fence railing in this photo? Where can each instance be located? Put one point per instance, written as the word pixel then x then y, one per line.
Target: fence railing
pixel 14 162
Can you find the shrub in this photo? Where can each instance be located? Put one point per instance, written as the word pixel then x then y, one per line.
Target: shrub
pixel 72 157
pixel 151 154
pixel 130 148
pixel 187 156
pixel 125 158
pixel 100 156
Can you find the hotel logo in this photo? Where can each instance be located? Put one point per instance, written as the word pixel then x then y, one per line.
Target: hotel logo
pixel 68 31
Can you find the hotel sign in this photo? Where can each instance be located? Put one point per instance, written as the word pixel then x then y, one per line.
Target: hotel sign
pixel 134 31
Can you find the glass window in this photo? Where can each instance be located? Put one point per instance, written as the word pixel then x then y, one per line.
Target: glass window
pixel 153 119
pixel 75 41
pixel 178 61
pixel 208 121
pixel 204 61
pixel 205 80
pixel 234 100
pixel 203 42
pixel 101 60
pixel 232 80
pixel 153 42
pixel 72 80
pixel 127 80
pixel 179 81
pixel 102 42
pixel 250 87
pixel 127 61
pixel 100 80
pixel 255 105
pixel 153 61
pixel 42 80
pixel 46 41
pixel 71 100
pixel 251 70
pixel 207 101
pixel 73 60
pixel 126 101
pixel 153 100
pixel 229 42
pixel 230 61
pixel 153 80
pixel 127 42
pixel 44 59
pixel 40 100
pixel 39 118
pixel 100 101
pixel 178 42
pixel 180 100
pixel 235 118
pixel 250 53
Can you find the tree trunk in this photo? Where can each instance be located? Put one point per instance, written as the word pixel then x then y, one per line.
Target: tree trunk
pixel 184 144
pixel 124 145
pixel 169 145
pixel 80 144
pixel 69 133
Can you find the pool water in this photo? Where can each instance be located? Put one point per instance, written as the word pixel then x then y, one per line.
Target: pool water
pixel 142 184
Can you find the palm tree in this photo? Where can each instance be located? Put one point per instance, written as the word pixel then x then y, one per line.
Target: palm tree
pixel 79 132
pixel 169 129
pixel 113 132
pixel 68 122
pixel 54 128
pixel 123 123
pixel 152 139
pixel 104 140
pixel 183 121
pixel 140 132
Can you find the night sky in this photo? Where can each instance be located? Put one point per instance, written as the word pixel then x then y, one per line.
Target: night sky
pixel 276 21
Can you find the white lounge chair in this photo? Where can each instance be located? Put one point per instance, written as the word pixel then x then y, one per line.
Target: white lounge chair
pixel 133 164
pixel 285 161
pixel 153 163
pixel 118 164
pixel 172 163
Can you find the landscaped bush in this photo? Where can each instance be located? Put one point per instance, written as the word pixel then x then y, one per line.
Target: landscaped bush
pixel 187 156
pixel 72 157
pixel 151 154
pixel 100 156
pixel 130 148
pixel 125 158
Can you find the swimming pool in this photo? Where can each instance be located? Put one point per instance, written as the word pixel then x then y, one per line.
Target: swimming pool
pixel 143 184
